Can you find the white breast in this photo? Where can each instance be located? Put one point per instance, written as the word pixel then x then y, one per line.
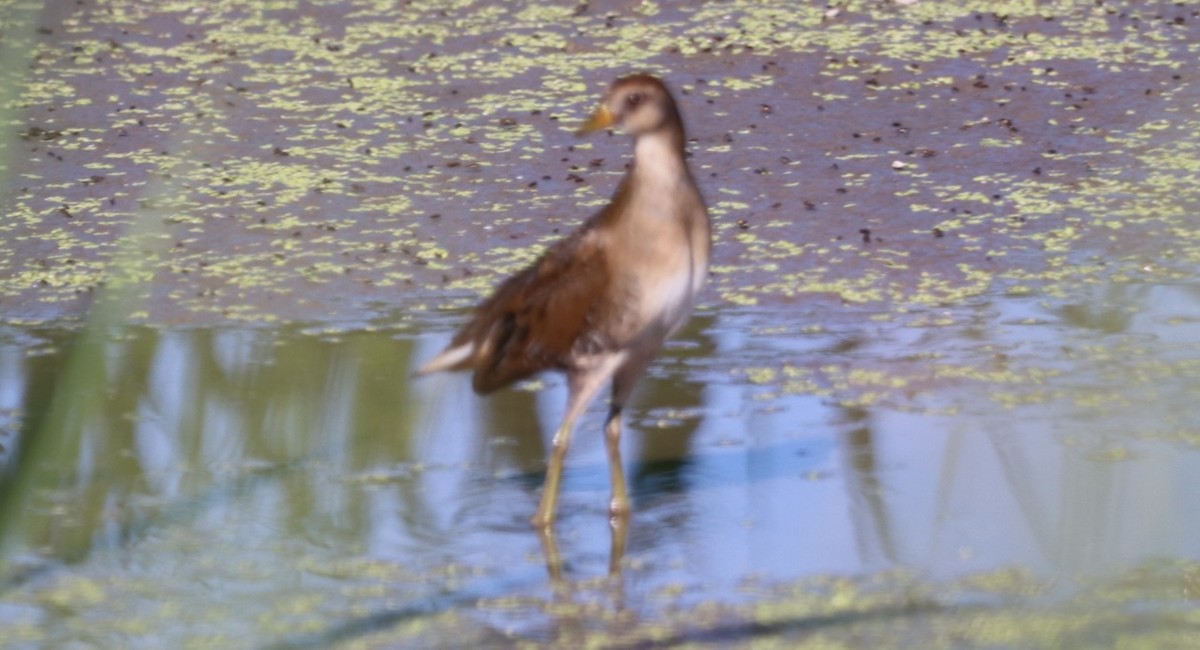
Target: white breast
pixel 673 296
pixel 667 239
pixel 667 272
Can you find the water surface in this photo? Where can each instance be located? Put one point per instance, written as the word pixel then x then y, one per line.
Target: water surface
pixel 939 392
pixel 254 485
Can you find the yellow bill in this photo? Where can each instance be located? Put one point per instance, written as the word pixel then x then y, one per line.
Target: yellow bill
pixel 602 118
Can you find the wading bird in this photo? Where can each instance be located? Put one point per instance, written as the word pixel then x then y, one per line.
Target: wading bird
pixel 599 303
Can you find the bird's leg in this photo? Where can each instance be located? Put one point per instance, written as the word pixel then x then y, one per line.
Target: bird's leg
pixel 619 506
pixel 622 387
pixel 562 441
pixel 616 553
pixel 582 387
pixel 550 551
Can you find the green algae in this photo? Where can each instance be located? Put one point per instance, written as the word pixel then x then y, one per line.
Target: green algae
pixel 389 153
pixel 283 73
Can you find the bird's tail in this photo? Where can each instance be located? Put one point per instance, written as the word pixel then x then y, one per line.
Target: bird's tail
pixel 458 357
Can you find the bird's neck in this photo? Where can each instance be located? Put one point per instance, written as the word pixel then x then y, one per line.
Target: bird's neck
pixel 658 160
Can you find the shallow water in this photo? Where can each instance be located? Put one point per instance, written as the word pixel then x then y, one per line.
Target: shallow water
pixel 265 484
pixel 939 392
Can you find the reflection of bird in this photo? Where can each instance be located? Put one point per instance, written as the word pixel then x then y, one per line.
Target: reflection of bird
pixel 600 303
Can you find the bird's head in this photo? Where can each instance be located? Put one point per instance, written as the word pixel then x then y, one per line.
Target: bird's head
pixel 638 104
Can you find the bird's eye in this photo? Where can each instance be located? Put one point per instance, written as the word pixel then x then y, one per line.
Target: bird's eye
pixel 633 99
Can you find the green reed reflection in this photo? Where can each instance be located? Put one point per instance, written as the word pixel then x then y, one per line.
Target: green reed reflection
pixel 128 424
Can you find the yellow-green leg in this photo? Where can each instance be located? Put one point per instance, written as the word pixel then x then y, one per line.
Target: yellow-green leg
pixel 549 502
pixel 619 506
pixel 582 387
pixel 620 534
pixel 550 552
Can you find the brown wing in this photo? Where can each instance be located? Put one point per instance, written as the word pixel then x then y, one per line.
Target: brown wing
pixel 535 317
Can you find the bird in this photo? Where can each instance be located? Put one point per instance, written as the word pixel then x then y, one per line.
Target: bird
pixel 599 303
